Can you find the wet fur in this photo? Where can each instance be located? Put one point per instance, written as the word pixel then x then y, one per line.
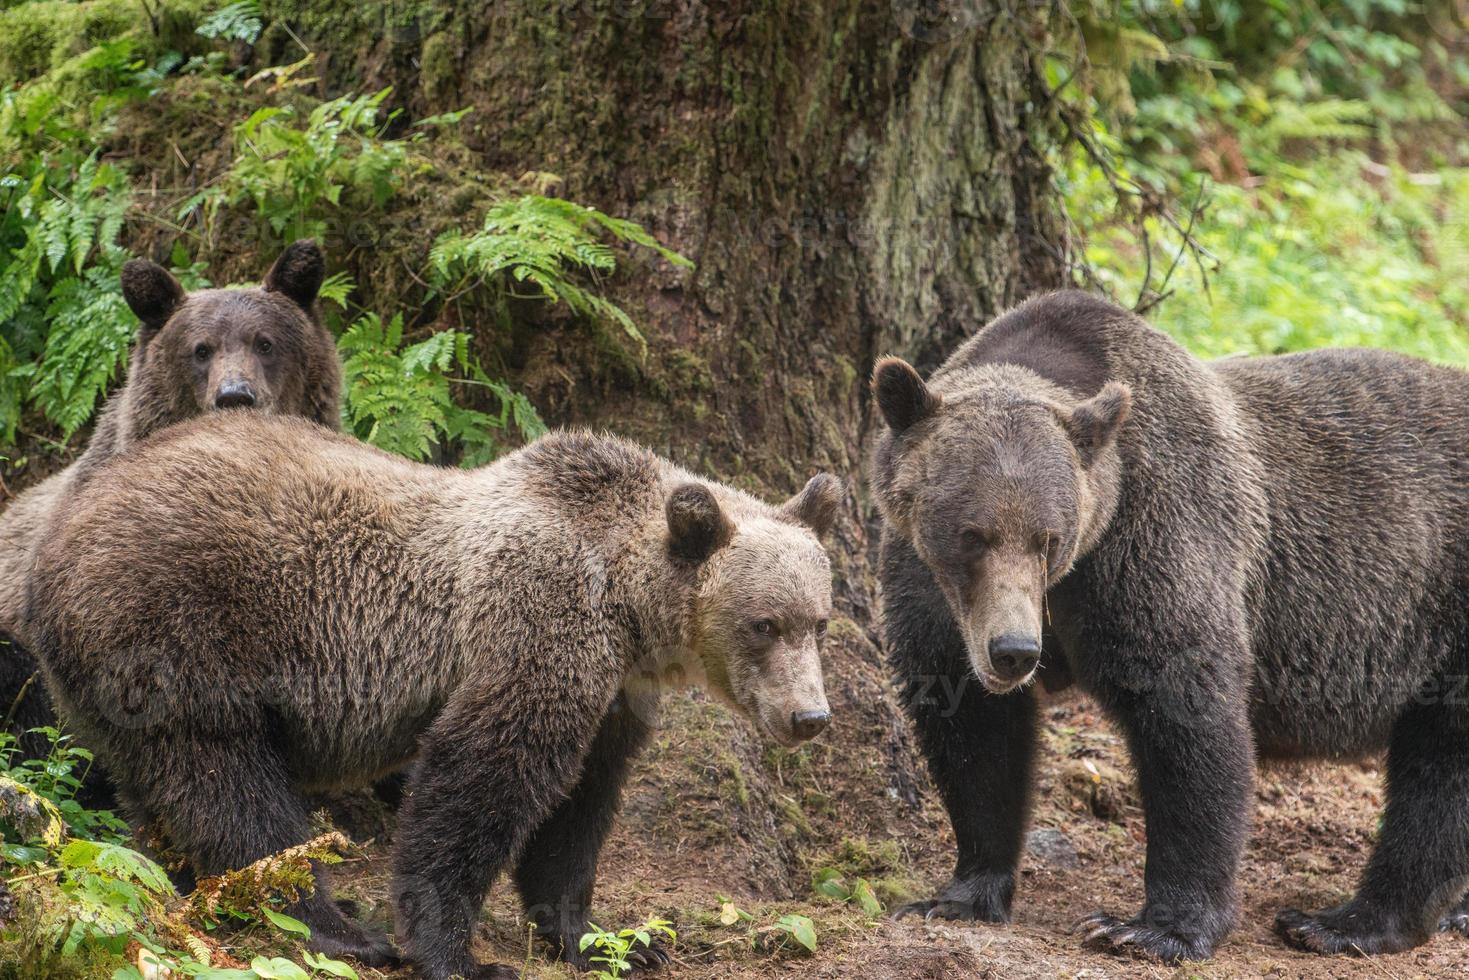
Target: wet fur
pixel 1283 576
pixel 159 391
pixel 227 641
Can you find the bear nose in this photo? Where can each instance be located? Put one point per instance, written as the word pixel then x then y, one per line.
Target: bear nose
pixel 809 724
pixel 1014 656
pixel 235 394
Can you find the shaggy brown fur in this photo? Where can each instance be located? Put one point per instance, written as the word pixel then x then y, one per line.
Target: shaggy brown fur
pixel 262 348
pixel 1255 556
pixel 245 608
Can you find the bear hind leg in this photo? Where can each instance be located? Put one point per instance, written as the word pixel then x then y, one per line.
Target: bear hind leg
pixel 1415 881
pixel 229 805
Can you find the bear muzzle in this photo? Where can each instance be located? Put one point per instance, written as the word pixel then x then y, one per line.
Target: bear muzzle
pixel 236 393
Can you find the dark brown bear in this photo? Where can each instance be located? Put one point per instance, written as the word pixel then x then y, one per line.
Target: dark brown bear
pixel 243 609
pixel 263 348
pixel 1253 556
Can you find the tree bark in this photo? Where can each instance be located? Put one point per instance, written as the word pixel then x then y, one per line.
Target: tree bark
pixel 851 178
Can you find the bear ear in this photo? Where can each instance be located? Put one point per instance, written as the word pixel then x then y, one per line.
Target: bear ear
pixel 696 526
pixel 816 505
pixel 1093 425
pixel 298 273
pixel 901 394
pixel 152 293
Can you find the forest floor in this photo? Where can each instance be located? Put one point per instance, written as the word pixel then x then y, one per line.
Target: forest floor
pixel 1313 830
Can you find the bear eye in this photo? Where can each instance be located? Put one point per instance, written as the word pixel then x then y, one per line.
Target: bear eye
pixel 263 346
pixel 201 352
pixel 764 627
pixel 821 625
pixel 973 539
pixel 1048 543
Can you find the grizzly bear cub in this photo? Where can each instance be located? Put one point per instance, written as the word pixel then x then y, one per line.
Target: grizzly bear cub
pixel 1258 556
pixel 246 608
pixel 262 348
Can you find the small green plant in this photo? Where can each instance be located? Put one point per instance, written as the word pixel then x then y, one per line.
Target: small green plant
pixel 56 777
pixel 788 929
pixel 831 883
pixel 542 243
pixel 613 947
pixel 800 930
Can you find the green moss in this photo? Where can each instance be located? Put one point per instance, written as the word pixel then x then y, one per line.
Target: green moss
pixel 39 37
pixel 438 67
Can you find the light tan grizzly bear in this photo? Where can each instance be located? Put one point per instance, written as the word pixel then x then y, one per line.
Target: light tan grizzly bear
pixel 263 348
pixel 246 608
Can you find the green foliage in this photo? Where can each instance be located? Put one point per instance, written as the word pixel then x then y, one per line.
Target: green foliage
pixel 85 895
pixel 298 173
pixel 613 947
pixel 832 884
pixel 790 931
pixel 1264 121
pixel 237 21
pixel 540 242
pixel 399 398
pixel 800 929
pixel 56 778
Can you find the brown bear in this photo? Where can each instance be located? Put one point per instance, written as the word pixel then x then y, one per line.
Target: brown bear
pixel 246 608
pixel 263 348
pixel 1251 557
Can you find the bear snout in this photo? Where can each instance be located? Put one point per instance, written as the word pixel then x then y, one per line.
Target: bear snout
pixel 235 394
pixel 1014 656
pixel 808 724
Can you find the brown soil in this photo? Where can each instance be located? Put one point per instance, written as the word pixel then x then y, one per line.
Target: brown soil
pixel 712 815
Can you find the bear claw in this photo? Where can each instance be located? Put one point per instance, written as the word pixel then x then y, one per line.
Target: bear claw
pixel 1456 919
pixel 1109 934
pixel 934 908
pixel 974 898
pixel 1327 933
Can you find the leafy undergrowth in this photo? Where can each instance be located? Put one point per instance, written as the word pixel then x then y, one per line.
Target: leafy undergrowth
pixel 1266 179
pixel 77 901
pixel 424 314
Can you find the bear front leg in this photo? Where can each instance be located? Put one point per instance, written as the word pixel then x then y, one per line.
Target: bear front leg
pixel 1190 742
pixel 1414 883
pixel 557 869
pixel 980 747
pixel 494 765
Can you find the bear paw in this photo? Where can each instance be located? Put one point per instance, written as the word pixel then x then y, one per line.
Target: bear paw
pixel 1457 919
pixel 1110 934
pixel 367 946
pixel 1344 929
pixel 982 898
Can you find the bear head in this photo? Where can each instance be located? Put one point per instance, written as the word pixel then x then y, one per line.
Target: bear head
pixel 999 483
pixel 763 601
pixel 262 348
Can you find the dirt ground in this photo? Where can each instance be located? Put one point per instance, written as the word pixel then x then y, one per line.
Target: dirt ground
pixel 703 822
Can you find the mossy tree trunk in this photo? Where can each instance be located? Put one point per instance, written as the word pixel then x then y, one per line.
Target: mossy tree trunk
pixel 851 178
